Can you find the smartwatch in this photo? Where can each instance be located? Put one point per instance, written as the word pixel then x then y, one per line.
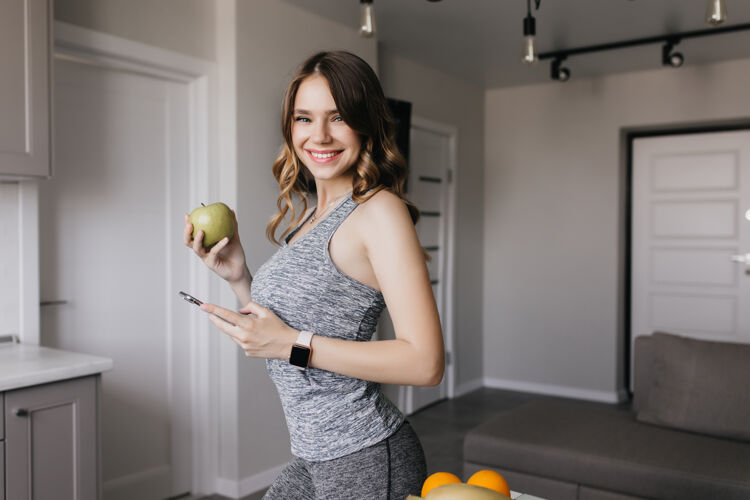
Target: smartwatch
pixel 301 350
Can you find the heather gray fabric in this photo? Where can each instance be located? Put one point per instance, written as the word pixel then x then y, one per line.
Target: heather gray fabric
pixel 608 449
pixel 329 415
pixel 699 386
pixel 389 470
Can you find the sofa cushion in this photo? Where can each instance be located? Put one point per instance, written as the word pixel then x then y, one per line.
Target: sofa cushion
pixel 607 448
pixel 699 386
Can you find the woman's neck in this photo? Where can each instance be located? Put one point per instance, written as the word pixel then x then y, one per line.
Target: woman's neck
pixel 328 192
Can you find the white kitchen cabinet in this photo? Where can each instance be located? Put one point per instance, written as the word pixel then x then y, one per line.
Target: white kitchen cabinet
pixel 25 88
pixel 49 423
pixel 51 441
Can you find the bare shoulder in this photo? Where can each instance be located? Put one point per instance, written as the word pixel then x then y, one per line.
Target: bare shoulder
pixel 385 225
pixel 384 207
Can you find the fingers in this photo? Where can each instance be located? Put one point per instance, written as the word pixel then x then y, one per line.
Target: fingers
pixel 187 237
pixel 253 308
pixel 198 244
pixel 218 247
pixel 237 334
pixel 226 315
pixel 226 327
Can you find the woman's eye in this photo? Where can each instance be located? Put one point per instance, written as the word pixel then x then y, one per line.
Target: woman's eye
pixel 337 119
pixel 303 119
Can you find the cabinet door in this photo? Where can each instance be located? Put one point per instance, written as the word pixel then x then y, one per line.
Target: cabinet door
pixel 50 442
pixel 25 55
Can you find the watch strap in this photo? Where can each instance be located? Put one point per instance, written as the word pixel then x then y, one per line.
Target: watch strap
pixel 304 338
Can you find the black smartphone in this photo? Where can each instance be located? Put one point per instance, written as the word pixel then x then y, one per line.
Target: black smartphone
pixel 189 298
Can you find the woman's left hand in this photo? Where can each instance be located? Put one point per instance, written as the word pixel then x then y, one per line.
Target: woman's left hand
pixel 261 334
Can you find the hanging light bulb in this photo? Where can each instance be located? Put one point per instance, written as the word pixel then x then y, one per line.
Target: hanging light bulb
pixel 716 12
pixel 366 19
pixel 528 51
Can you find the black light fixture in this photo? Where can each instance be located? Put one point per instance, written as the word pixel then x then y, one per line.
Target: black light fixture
pixel 366 19
pixel 716 12
pixel 669 57
pixel 558 72
pixel 528 51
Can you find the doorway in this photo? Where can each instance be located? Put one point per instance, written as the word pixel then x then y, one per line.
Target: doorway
pixel 690 235
pixel 432 188
pixel 130 143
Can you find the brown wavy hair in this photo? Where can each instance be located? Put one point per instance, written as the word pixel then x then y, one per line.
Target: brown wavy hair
pixel 362 105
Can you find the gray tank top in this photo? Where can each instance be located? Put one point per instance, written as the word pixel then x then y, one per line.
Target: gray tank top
pixel 329 415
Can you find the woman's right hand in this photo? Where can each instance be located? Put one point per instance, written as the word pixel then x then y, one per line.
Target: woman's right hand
pixel 226 258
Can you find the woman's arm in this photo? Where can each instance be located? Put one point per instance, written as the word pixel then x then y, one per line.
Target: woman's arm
pixel 241 287
pixel 415 357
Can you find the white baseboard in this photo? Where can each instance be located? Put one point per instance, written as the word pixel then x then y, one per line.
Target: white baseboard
pixel 151 483
pixel 248 485
pixel 467 387
pixel 557 390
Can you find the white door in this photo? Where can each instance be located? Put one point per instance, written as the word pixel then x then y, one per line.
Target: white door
pixel 691 236
pixel 429 188
pixel 110 251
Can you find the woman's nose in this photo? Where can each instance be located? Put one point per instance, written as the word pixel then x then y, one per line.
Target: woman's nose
pixel 321 133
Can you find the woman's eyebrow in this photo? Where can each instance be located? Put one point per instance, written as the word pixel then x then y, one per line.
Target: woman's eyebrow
pixel 306 112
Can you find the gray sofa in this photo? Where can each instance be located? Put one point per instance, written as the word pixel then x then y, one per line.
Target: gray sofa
pixel 686 435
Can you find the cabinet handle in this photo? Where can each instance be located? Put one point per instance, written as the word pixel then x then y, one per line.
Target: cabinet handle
pixel 21 412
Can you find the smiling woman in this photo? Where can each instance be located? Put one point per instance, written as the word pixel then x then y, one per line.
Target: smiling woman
pixel 321 138
pixel 312 308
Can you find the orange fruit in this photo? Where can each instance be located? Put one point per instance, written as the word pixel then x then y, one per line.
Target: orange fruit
pixel 438 479
pixel 491 480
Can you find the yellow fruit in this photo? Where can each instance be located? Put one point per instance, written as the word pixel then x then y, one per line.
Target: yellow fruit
pixel 491 480
pixel 438 479
pixel 464 492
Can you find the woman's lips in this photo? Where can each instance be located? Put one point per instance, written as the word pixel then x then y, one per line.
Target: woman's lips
pixel 323 156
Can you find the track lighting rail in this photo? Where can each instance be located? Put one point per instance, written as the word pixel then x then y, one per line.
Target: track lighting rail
pixel 674 37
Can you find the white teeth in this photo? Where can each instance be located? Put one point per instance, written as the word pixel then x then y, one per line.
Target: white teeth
pixel 322 156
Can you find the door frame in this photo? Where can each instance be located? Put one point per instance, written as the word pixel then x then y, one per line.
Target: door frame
pixel 212 176
pixel 449 320
pixel 627 137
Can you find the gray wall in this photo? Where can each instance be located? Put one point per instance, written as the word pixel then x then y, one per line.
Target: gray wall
pixel 272 39
pixel 554 208
pixel 185 26
pixel 442 98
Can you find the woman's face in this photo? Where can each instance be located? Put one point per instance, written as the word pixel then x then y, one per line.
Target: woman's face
pixel 325 144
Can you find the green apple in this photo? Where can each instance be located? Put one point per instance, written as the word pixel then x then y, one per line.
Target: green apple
pixel 215 220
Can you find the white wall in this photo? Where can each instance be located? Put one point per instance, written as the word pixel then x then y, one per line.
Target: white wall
pixel 185 26
pixel 10 320
pixel 554 208
pixel 273 38
pixel 443 98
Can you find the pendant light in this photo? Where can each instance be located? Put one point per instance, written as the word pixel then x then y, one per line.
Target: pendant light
pixel 528 50
pixel 716 12
pixel 366 19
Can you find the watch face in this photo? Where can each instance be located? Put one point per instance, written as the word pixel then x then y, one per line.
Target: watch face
pixel 300 356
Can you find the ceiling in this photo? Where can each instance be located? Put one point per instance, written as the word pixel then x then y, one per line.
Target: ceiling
pixel 480 40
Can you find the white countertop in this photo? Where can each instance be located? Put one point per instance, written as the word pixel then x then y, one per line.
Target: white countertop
pixel 23 365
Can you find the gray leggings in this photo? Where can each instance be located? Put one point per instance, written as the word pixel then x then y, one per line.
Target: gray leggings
pixel 388 470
